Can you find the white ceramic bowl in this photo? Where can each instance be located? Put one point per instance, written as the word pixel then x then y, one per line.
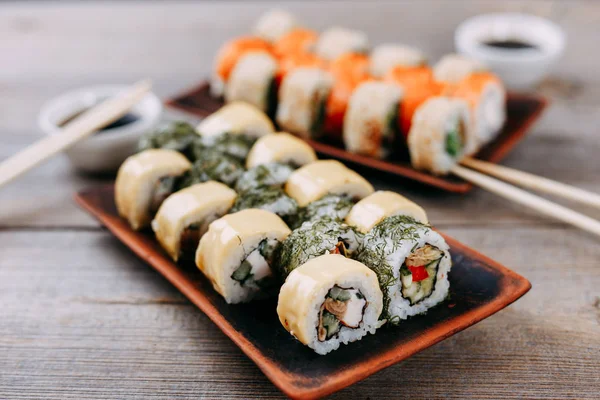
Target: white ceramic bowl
pixel 105 151
pixel 518 68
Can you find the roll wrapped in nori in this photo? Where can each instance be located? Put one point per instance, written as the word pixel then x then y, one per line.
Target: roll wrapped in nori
pixel 270 198
pixel 412 263
pixel 328 301
pixel 237 251
pixel 273 174
pixel 313 239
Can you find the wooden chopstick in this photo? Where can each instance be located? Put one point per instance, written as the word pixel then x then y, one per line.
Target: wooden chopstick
pixel 81 127
pixel 537 203
pixel 534 182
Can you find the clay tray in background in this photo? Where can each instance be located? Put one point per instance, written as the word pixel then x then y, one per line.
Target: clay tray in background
pixel 522 110
pixel 479 287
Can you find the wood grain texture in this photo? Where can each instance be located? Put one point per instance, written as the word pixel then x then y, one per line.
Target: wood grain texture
pixel 82 317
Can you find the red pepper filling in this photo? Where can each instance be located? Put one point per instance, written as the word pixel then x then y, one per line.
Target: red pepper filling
pixel 418 273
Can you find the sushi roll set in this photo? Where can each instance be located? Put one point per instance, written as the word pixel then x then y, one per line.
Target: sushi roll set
pixel 261 217
pixel 332 85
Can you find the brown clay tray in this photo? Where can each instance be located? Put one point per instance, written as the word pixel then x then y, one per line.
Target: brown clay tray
pixel 522 111
pixel 479 287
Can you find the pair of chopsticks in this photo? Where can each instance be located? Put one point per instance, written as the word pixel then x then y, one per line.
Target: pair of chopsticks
pixel 81 127
pixel 527 199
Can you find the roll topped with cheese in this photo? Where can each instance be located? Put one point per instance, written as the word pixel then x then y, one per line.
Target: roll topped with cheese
pixel 280 147
pixel 236 254
pixel 382 204
pixel 319 178
pixel 236 118
pixel 328 301
pixel 184 217
pixel 138 191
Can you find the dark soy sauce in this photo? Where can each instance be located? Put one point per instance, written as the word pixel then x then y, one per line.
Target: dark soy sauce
pixel 126 119
pixel 510 44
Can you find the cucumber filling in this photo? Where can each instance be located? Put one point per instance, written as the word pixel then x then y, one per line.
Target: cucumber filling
pixel 255 269
pixel 418 274
pixel 455 139
pixel 342 307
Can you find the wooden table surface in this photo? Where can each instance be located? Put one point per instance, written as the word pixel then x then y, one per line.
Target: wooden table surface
pixel 81 317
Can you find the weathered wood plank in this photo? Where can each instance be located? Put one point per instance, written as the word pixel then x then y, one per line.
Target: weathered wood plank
pixel 82 317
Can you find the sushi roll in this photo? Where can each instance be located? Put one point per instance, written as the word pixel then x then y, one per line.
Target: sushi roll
pixel 185 215
pixel 269 198
pixel 453 68
pixel 179 135
pixel 252 80
pixel 139 187
pixel 212 165
pixel 236 254
pixel 272 174
pixel 280 148
pixel 418 86
pixel 297 41
pixel 412 263
pixel 314 239
pixel 348 71
pixel 228 56
pixel 382 204
pixel 234 145
pixel 371 121
pixel 315 180
pixel 487 100
pixel 331 206
pixel 328 301
pixel 337 41
pixel 302 98
pixel 440 135
pixel 274 24
pixel 236 118
pixel 387 56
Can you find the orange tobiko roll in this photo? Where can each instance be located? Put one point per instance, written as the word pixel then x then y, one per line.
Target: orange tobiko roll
pixel 419 86
pixel 295 42
pixel 348 72
pixel 232 50
pixel 486 96
pixel 297 60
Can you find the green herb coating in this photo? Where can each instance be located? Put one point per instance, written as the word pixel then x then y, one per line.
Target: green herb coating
pixel 332 206
pixel 272 174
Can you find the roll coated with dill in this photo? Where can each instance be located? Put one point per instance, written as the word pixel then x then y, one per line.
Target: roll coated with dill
pixel 280 147
pixel 272 174
pixel 412 263
pixel 185 215
pixel 382 204
pixel 269 198
pixel 212 166
pixel 315 180
pixel 139 185
pixel 314 239
pixel 335 207
pixel 179 135
pixel 328 301
pixel 236 254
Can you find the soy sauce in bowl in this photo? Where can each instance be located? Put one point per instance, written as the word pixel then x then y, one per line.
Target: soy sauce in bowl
pixel 126 119
pixel 510 44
